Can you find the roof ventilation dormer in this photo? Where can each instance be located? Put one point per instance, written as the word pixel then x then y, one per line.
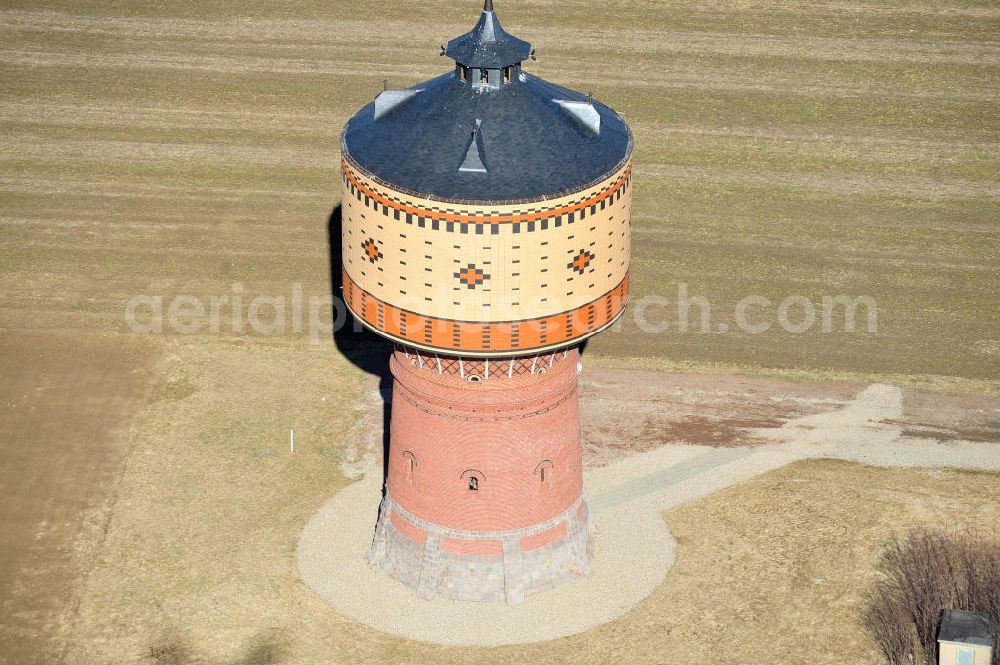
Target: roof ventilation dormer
pixel 582 112
pixel 387 100
pixel 473 162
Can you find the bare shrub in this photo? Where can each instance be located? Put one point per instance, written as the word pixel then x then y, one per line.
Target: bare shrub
pixel 922 574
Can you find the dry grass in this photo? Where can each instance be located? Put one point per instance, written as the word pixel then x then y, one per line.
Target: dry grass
pixel 169 148
pixel 776 569
pixel 66 408
pixel 782 148
pixel 199 558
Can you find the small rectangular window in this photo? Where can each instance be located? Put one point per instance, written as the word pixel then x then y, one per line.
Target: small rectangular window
pixel 506 74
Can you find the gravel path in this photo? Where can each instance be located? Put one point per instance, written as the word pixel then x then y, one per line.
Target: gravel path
pixel 634 549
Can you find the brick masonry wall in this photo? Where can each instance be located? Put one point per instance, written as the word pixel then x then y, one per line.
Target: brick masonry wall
pixel 505 571
pixel 516 440
pixel 488 280
pixel 484 487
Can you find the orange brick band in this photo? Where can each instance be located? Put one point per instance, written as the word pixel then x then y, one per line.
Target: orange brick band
pixel 481 338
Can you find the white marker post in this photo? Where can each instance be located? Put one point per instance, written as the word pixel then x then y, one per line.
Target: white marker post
pixel 291 439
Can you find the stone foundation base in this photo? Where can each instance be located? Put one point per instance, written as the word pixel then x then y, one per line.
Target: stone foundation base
pixel 434 561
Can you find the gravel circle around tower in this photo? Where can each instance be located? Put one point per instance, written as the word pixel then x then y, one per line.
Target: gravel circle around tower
pixel 633 548
pixel 632 553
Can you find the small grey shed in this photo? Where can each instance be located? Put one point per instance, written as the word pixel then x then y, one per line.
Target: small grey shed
pixel 965 638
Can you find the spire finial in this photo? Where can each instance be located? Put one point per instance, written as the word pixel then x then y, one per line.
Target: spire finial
pixel 487 45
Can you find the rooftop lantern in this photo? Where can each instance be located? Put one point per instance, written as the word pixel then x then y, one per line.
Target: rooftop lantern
pixel 487 56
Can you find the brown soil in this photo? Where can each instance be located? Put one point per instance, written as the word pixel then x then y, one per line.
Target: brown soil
pixel 628 411
pixel 950 417
pixel 67 402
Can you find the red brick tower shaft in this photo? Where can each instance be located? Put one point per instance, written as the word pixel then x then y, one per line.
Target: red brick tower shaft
pixel 484 490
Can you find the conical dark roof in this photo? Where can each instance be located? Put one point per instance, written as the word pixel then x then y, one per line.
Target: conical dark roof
pixel 488 45
pixel 450 140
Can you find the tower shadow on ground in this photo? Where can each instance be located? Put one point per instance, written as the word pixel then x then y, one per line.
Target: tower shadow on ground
pixel 366 350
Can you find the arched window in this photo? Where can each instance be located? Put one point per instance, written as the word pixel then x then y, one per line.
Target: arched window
pixel 544 472
pixel 410 460
pixel 472 480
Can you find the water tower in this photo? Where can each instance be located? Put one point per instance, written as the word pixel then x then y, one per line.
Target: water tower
pixel 485 232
